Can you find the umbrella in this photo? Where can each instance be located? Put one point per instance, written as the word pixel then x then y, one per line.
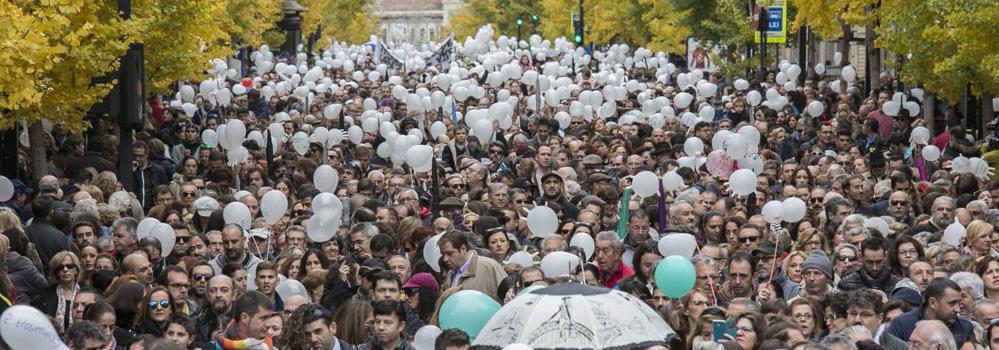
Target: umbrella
pixel 575 316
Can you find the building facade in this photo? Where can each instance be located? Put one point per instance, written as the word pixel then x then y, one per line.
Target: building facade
pixel 414 21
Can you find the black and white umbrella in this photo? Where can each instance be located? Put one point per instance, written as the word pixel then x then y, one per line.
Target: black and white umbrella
pixel 575 316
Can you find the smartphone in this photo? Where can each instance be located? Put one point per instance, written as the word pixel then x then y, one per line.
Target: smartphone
pixel 722 327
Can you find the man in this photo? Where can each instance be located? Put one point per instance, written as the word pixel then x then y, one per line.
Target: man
pixel 84 298
pixel 385 285
pixel 215 245
pixel 401 267
pixel 466 268
pixel 214 315
pixel 941 215
pixel 749 236
pixel 985 310
pixel 867 309
pixel 234 251
pixel 920 273
pixel 146 175
pixel 85 335
pixel 817 275
pixel 552 188
pixel 139 265
pixel 266 281
pixel 48 239
pixel 682 213
pixel 182 243
pixel 740 282
pixel 941 302
pixel 638 233
pixel 292 303
pixel 452 339
pixel 553 243
pixel 933 335
pixel 837 209
pixel 360 239
pixel 875 273
pixel 180 330
pixel 200 274
pixel 178 284
pixel 319 325
pixel 247 331
pixel 457 147
pixel 295 237
pixel 899 207
pixel 84 233
pixel 387 326
pixel 499 195
pixel 607 253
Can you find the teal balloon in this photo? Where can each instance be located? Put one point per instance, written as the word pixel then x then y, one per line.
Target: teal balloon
pixel 675 276
pixel 468 310
pixel 528 290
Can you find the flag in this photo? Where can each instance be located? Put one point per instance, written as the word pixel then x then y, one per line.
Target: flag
pixel 444 54
pixel 385 56
pixel 454 113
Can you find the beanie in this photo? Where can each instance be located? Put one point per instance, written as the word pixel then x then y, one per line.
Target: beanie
pixel 819 260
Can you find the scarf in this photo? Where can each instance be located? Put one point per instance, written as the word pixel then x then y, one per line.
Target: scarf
pixel 62 314
pixel 234 339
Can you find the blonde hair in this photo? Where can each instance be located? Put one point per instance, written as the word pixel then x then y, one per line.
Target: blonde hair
pixel 57 260
pixel 978 228
pixel 4 250
pixel 9 220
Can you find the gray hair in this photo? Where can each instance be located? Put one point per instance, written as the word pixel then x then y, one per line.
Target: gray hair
pixel 748 304
pixel 980 204
pixel 939 334
pixel 498 186
pixel 857 231
pixel 972 282
pixel 853 219
pixel 858 330
pixel 130 224
pixel 364 228
pixel 976 306
pixel 564 245
pixel 81 330
pixel 943 199
pixel 610 236
pixel 706 260
pixel 83 208
pixel 839 341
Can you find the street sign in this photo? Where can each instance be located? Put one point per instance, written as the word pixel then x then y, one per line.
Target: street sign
pixel 776 23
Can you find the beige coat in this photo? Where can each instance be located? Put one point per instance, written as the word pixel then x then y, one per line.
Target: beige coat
pixel 484 275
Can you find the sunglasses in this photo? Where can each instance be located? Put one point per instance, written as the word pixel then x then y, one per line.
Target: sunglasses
pixel 66 267
pixel 161 304
pixel 846 258
pixel 815 200
pixel 190 194
pixel 202 277
pixel 898 203
pixel 749 239
pixel 183 239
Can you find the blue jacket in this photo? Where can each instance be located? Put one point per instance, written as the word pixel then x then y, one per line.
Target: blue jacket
pixel 902 326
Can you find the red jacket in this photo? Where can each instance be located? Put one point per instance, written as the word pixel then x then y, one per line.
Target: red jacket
pixel 622 271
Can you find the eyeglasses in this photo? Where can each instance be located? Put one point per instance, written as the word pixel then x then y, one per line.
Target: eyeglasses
pixel 190 194
pixel 898 203
pixel 802 316
pixel 66 267
pixel 153 304
pixel 815 200
pixel 456 185
pixel 855 314
pixel 846 258
pixel 749 239
pixel 907 252
pixel 201 277
pixel 179 286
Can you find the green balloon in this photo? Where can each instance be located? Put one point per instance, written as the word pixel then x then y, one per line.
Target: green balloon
pixel 675 276
pixel 468 310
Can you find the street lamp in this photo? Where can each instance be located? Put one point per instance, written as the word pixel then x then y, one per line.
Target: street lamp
pixel 520 23
pixel 291 23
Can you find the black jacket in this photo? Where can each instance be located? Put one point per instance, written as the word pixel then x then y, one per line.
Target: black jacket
pixel 28 281
pixel 860 279
pixel 145 180
pixel 206 322
pixel 48 240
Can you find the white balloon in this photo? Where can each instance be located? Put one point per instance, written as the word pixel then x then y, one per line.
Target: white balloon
pixel 426 337
pixel 167 238
pixel 235 132
pixel 879 224
pixel 754 98
pixel 189 109
pixel 290 287
pixel 646 183
pixel 718 140
pixel 585 241
pixel 542 221
pixel 355 134
pixel 24 327
pixel 326 178
pixel 672 181
pixel 794 209
pixel 693 146
pixel 742 182
pixel 741 84
pixel 237 213
pixel 773 212
pixel 437 129
pixel 736 146
pixel 891 108
pixel 146 227
pixel 327 207
pixel 931 153
pixel 707 113
pixel 559 264
pixel 953 234
pixel 332 111
pixel 682 244
pixel 273 206
pixel 682 100
pixel 419 155
pixel 186 93
pixel 820 69
pixel 837 57
pixel 849 74
pixel 524 259
pixel 300 142
pixel 815 108
pixel 6 189
pixel 432 253
pixel 320 230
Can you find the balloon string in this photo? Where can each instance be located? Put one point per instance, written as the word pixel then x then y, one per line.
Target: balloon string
pixel 773 264
pixel 711 283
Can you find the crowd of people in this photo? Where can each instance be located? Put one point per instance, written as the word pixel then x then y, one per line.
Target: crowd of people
pixel 70 245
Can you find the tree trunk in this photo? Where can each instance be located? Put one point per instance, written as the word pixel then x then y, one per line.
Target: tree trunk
pixel 987 113
pixel 844 45
pixel 929 111
pixel 873 58
pixel 39 159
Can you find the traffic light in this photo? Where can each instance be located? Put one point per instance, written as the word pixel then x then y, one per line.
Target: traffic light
pixel 534 18
pixel 577 27
pixel 520 21
pixel 578 39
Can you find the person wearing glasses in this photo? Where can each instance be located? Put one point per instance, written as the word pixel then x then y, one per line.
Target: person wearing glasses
pixel 154 312
pixel 176 280
pixel 64 276
pixel 875 274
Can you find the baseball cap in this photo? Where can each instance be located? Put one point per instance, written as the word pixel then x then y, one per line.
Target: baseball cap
pixel 205 206
pixel 20 187
pixel 422 280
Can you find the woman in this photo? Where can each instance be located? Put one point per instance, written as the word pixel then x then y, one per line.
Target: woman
pixel 904 251
pixel 57 299
pixel 332 249
pixel 312 260
pixel 103 314
pixel 645 258
pixel 690 308
pixel 154 312
pixel 188 168
pixel 803 179
pixel 794 264
pixel 992 336
pixel 704 327
pixel 979 239
pixel 988 268
pixel 711 226
pixel 805 312
pixel 422 292
pixel 845 261
pixel 750 327
pixel 732 225
pixel 88 258
pixel 499 244
pixel 352 318
pixel 8 294
pixel 28 281
pixel 285 186
pixel 810 239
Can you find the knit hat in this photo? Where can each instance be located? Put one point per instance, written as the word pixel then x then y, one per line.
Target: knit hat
pixel 819 260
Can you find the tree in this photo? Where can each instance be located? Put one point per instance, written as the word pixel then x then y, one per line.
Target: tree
pixel 249 19
pixel 180 38
pixel 351 21
pixel 52 52
pixel 949 45
pixel 666 33
pixel 502 14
